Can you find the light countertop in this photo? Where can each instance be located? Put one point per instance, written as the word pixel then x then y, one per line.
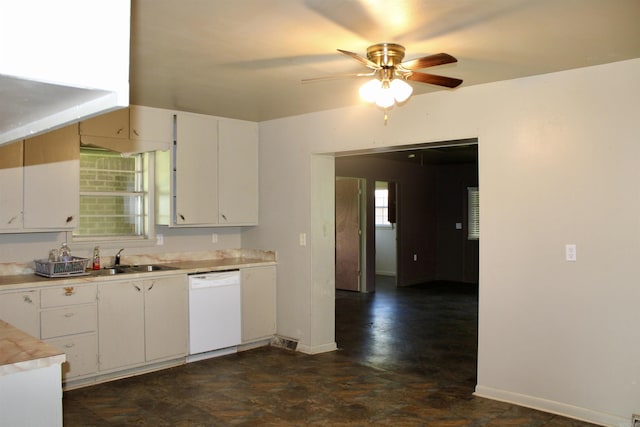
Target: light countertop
pixel 20 351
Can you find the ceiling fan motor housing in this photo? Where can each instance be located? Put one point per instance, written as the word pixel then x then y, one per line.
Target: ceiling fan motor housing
pixel 386 55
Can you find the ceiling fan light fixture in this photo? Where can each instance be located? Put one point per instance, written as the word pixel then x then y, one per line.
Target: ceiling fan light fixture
pixel 370 90
pixel 385 98
pixel 385 93
pixel 401 90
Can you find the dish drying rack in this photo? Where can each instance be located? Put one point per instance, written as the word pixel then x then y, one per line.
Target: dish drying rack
pixel 75 267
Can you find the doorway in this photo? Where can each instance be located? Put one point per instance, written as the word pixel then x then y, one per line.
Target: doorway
pixel 432 218
pixel 349 246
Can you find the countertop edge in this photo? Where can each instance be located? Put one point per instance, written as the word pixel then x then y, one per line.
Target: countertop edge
pixel 27 281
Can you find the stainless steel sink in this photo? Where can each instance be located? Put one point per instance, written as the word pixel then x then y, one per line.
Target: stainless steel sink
pixel 124 269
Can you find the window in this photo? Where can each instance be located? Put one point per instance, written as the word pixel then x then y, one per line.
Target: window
pixel 113 195
pixel 382 207
pixel 474 213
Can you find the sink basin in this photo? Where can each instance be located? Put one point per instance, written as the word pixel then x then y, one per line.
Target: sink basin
pixel 151 267
pixel 124 269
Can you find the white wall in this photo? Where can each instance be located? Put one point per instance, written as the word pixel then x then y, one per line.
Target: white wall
pixel 24 248
pixel 386 251
pixel 558 164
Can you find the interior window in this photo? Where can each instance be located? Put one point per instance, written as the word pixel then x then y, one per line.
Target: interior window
pixel 474 213
pixel 113 195
pixel 382 206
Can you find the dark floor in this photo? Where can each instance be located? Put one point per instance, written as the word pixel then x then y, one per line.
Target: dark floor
pixel 407 358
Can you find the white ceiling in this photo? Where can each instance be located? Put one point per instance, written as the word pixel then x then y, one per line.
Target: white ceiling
pixel 245 58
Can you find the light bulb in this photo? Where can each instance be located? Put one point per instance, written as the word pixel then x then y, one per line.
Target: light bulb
pixel 401 90
pixel 385 98
pixel 369 90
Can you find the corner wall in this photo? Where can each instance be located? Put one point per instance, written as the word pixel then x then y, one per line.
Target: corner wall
pixel 558 164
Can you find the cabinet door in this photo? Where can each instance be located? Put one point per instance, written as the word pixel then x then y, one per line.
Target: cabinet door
pixel 151 124
pixel 111 125
pixel 196 171
pixel 238 172
pixel 20 309
pixel 81 352
pixel 11 157
pixel 166 317
pixel 120 324
pixel 52 180
pixel 258 302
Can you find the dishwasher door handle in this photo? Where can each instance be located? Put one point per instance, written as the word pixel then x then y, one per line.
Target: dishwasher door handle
pixel 207 285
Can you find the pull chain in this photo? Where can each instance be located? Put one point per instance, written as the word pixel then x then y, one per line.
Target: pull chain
pixel 386 116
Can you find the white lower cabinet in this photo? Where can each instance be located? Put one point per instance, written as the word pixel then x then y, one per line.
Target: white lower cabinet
pixel 258 290
pixel 69 321
pixel 20 309
pixel 142 321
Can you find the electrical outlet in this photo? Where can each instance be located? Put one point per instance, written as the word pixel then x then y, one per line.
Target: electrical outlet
pixel 159 239
pixel 303 239
pixel 214 238
pixel 415 257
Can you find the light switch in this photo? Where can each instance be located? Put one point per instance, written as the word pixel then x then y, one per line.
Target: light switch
pixel 303 239
pixel 159 239
pixel 458 226
pixel 570 252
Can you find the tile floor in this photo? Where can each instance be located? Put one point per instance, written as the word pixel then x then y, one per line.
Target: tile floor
pixel 407 357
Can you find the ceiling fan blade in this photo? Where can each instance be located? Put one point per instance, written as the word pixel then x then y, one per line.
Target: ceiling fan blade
pixel 428 61
pixel 338 76
pixel 449 82
pixel 361 59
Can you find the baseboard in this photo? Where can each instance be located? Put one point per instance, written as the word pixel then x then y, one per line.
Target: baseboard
pixel 558 408
pixel 325 348
pixel 386 273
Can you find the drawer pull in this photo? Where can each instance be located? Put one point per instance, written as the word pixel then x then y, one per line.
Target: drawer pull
pixel 69 291
pixel 137 288
pixel 69 315
pixel 152 285
pixel 27 299
pixel 69 345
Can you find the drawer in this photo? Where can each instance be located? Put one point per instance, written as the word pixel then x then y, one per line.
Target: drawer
pixel 68 295
pixel 81 352
pixel 67 321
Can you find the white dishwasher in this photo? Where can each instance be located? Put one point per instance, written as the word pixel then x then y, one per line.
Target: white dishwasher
pixel 214 314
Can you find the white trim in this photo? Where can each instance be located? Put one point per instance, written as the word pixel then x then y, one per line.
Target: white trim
pixel 324 348
pixel 558 408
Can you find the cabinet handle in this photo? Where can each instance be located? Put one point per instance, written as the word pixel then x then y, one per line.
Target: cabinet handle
pixel 67 315
pixel 69 219
pixel 12 219
pixel 181 216
pixel 69 291
pixel 137 288
pixel 224 217
pixel 135 132
pixel 119 131
pixel 27 299
pixel 152 285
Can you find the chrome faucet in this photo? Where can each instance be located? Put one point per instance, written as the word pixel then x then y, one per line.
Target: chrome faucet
pixel 117 261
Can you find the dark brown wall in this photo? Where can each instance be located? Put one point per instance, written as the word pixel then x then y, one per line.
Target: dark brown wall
pixel 426 207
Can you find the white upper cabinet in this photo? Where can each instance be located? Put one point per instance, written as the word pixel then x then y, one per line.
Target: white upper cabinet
pixel 111 125
pixel 135 129
pixel 211 176
pixel 52 180
pixel 151 124
pixel 11 158
pixel 195 169
pixel 238 172
pixel 61 61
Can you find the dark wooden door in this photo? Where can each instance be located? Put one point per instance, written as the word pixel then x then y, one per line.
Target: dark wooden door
pixel 348 234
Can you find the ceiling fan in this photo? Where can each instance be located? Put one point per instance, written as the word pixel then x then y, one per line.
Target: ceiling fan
pixel 390 74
